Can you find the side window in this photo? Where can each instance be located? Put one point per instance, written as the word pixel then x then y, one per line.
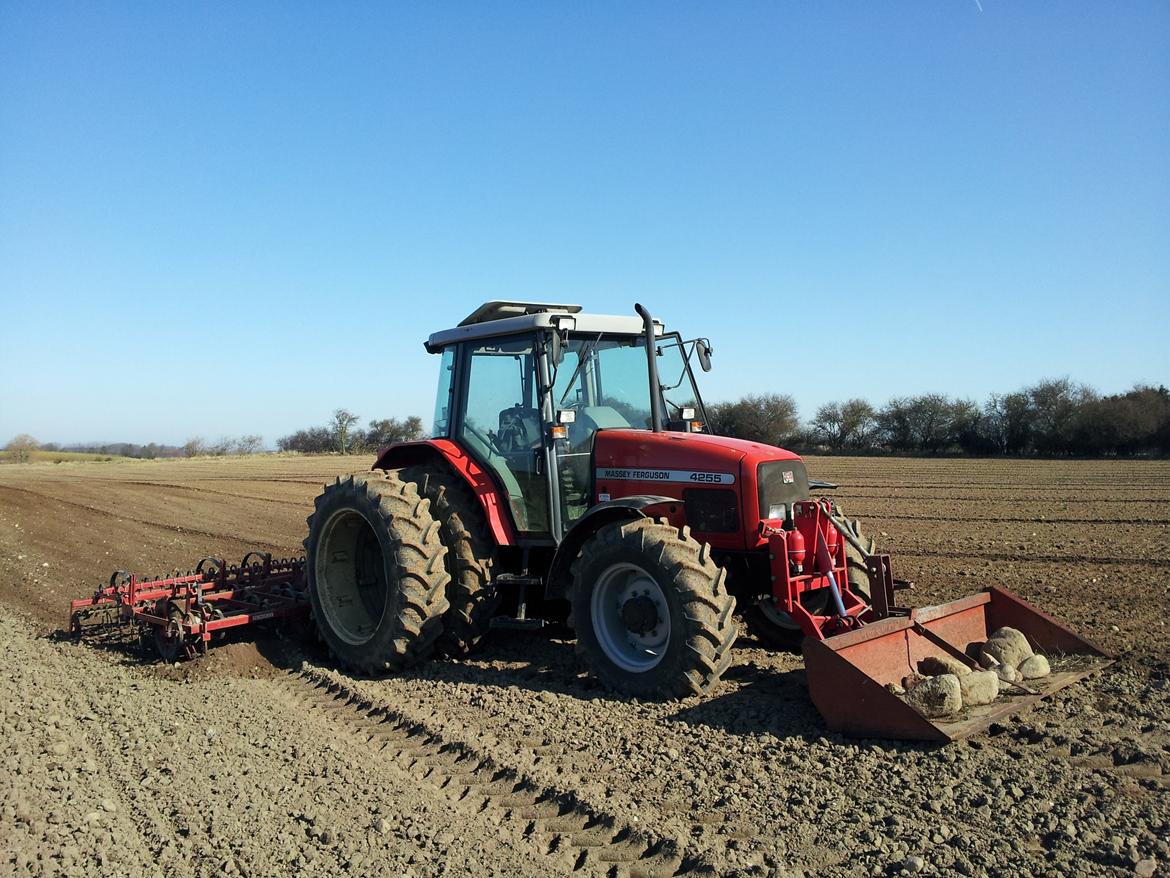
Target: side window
pixel 441 426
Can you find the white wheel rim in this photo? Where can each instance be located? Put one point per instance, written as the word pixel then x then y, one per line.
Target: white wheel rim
pixel 636 651
pixel 338 588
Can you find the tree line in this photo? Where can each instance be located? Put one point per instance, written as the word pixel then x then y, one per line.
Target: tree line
pixel 342 435
pixel 1052 417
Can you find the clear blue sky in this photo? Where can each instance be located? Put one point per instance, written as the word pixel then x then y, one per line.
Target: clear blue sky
pixel 225 218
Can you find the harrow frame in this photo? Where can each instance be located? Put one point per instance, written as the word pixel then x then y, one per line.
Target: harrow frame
pixel 182 613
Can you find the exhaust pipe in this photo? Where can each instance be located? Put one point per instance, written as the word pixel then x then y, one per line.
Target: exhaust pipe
pixel 652 370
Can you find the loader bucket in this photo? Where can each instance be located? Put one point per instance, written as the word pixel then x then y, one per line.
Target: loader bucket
pixel 848 673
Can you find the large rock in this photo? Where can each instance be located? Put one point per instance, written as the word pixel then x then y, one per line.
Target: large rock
pixel 935 665
pixel 979 687
pixel 1007 673
pixel 1007 646
pixel 913 679
pixel 1034 667
pixel 936 696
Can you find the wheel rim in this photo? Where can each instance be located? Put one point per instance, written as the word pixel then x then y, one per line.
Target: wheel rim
pixel 351 577
pixel 631 619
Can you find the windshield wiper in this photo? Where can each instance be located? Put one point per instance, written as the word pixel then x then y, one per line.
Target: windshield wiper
pixel 582 359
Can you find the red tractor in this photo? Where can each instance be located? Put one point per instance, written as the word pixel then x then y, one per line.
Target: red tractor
pixel 571 477
pixel 570 474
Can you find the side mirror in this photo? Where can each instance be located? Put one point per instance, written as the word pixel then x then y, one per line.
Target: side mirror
pixel 556 348
pixel 703 349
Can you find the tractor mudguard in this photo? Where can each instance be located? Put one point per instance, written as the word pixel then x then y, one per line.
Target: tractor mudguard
pixel 402 454
pixel 597 516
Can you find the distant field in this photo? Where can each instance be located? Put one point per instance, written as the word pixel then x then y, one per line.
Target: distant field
pixel 67 457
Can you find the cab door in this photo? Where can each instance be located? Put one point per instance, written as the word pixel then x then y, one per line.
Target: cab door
pixel 501 426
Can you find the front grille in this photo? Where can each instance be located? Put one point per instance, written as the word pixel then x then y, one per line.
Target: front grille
pixel 781 481
pixel 711 510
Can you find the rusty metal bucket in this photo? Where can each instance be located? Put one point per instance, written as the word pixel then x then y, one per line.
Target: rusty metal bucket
pixel 848 673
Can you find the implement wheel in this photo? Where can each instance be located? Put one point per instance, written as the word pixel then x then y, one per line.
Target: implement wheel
pixel 651 610
pixel 471 555
pixel 377 582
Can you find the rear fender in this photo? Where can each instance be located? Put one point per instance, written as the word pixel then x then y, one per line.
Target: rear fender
pixel 621 509
pixel 445 451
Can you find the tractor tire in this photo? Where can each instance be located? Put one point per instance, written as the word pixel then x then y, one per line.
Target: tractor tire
pixel 377 581
pixel 651 610
pixel 471 556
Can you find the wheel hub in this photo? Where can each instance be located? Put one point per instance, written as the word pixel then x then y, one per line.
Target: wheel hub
pixel 631 618
pixel 640 615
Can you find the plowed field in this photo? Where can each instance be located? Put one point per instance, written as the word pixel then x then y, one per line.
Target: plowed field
pixel 266 760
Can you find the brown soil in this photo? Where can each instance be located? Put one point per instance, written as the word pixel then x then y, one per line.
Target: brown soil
pixel 516 761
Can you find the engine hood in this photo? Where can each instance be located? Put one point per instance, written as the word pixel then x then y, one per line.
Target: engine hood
pixel 645 449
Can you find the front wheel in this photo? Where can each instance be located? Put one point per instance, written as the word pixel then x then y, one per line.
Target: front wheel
pixel 651 610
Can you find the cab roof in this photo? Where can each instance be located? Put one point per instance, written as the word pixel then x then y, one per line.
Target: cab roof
pixel 500 317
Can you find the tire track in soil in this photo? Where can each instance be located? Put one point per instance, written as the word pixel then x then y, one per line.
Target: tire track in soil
pixel 574 835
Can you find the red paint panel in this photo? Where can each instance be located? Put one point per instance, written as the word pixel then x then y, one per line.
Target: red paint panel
pixel 694 452
pixel 498 517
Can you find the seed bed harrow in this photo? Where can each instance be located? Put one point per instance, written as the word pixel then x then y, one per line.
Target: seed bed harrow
pixel 181 614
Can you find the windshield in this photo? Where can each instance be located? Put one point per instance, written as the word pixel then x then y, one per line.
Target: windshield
pixel 605 377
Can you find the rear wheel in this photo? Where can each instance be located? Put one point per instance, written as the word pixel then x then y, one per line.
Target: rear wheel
pixel 377 581
pixel 651 610
pixel 471 556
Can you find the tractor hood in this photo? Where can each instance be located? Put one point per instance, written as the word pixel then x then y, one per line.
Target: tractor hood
pixel 644 450
pixel 726 485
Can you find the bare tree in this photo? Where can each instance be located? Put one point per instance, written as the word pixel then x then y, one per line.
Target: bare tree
pixel 848 424
pixel 342 421
pixel 249 444
pixel 389 430
pixel 21 447
pixel 1007 422
pixel 769 418
pixel 1054 405
pixel 194 447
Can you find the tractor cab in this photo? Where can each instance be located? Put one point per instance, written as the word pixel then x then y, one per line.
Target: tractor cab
pixel 526 387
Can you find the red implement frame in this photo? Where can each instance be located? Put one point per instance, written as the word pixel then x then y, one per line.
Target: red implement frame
pixel 183 612
pixel 848 674
pixel 812 519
